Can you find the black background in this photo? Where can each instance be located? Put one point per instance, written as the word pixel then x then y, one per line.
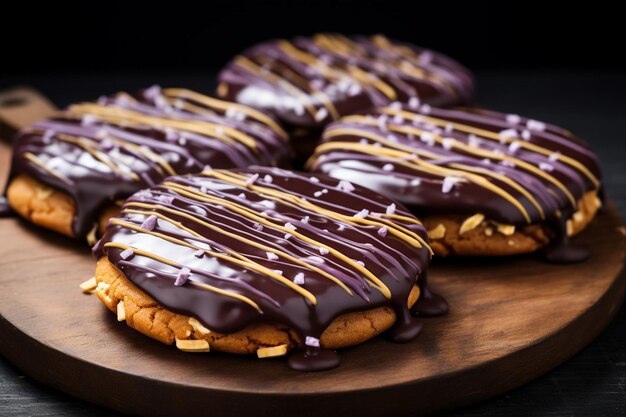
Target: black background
pixel 199 36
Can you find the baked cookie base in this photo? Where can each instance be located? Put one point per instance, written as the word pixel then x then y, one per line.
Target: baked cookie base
pixel 144 314
pixel 48 207
pixel 487 238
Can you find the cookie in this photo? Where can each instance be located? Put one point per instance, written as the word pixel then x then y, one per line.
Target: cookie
pixel 265 259
pixel 484 183
pixel 72 169
pixel 309 82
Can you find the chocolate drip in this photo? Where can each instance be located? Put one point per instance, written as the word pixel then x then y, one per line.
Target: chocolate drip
pixel 279 247
pixel 429 304
pixel 561 250
pixel 102 152
pixel 5 208
pixel 406 327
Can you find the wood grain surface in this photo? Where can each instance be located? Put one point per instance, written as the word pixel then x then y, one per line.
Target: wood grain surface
pixel 511 320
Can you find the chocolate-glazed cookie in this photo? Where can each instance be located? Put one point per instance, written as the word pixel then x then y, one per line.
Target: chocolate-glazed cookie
pixel 68 169
pixel 264 248
pixel 484 183
pixel 309 82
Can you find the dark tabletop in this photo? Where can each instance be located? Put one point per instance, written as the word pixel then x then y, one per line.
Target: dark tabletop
pixel 592 105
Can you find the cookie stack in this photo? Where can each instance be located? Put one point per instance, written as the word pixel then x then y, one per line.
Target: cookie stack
pixel 206 238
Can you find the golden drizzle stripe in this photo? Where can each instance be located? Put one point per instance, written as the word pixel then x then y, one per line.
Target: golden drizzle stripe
pixel 166 261
pixel 225 105
pixel 457 144
pixel 474 151
pixel 239 259
pixel 253 216
pixel 118 115
pixel 402 233
pixel 145 151
pixel 495 137
pixel 397 230
pixel 87 145
pixel 32 158
pixel 377 283
pixel 232 235
pixel 423 166
pixel 466 148
pixel 252 67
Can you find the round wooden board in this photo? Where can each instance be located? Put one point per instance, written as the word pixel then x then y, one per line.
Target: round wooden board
pixel 511 320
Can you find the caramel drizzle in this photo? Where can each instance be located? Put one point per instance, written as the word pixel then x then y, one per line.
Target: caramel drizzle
pixel 344 46
pixel 88 146
pixel 221 105
pixel 190 192
pixel 276 79
pixel 121 116
pixel 335 73
pixel 245 211
pixel 404 159
pixel 35 160
pixel 397 230
pixel 171 263
pixel 495 137
pixel 456 144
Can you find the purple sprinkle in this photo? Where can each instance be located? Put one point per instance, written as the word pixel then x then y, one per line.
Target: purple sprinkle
pixel 554 156
pixel 290 226
pixel 513 119
pixel 317 194
pixel 299 278
pixel 321 114
pixel 414 103
pixel 242 195
pixel 382 232
pixel 152 93
pixel 341 227
pixel 508 133
pixel 362 214
pixel 127 254
pixel 526 135
pixel 448 183
pixel 252 179
pixel 150 223
pixel 360 263
pixel 183 276
pixel 448 143
pixel 514 146
pixel 167 199
pixel 287 236
pixel 345 186
pixel 391 209
pixel 314 179
pixel 305 219
pixel 277 271
pixel 268 178
pixel 323 251
pixel 199 253
pixel 312 341
pixel 536 125
pixel 388 167
pixel 271 256
pixel 257 226
pixel 546 167
pixel 316 259
pixel 425 109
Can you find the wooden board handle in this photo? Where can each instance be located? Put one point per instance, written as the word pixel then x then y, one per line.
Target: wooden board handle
pixel 20 107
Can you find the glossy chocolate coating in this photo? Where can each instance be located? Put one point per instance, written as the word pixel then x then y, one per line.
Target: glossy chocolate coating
pixel 102 152
pixel 313 81
pixel 461 161
pixel 301 250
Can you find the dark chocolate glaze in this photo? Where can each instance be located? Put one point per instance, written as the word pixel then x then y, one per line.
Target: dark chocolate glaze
pixel 102 152
pixel 250 214
pixel 512 169
pixel 313 81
